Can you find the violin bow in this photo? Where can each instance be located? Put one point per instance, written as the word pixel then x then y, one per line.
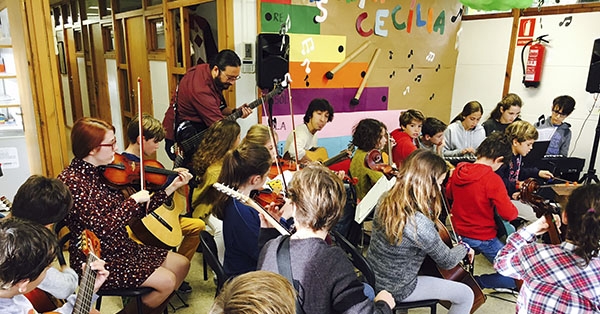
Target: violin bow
pixel 269 114
pixel 289 88
pixel 140 132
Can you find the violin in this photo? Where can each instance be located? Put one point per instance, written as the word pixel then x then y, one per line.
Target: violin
pixel 374 161
pixel 541 207
pixel 266 197
pixel 123 172
pixel 283 165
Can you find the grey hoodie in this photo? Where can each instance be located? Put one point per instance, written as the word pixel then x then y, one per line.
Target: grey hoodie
pixel 561 139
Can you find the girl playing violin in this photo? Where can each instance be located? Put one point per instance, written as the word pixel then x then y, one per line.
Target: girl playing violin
pixel 244 169
pixel 368 134
pixel 404 233
pixel 558 278
pixel 106 212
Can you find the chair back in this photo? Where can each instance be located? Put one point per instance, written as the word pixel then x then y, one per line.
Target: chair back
pixel 209 250
pixel 62 240
pixel 356 257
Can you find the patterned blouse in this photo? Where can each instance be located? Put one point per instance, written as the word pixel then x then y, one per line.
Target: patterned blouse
pixel 106 211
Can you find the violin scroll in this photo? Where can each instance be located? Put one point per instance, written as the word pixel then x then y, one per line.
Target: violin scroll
pixel 374 161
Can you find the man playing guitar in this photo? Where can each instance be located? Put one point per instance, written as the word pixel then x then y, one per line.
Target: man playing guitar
pixel 199 101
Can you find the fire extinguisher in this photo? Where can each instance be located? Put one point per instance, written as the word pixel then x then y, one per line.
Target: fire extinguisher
pixel 532 72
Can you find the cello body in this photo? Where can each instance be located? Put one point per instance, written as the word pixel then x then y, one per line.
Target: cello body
pixel 457 273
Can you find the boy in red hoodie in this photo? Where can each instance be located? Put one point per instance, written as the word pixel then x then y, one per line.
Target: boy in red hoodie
pixel 406 137
pixel 477 191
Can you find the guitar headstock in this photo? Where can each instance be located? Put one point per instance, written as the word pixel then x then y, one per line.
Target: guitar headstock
pixel 231 192
pixel 89 243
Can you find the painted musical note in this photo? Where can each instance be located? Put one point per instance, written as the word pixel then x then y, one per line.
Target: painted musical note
pixel 438 68
pixel 321 18
pixel 412 66
pixel 306 63
pixel 430 56
pixel 393 74
pixel 406 91
pixel 432 95
pixel 306 80
pixel 391 54
pixel 455 17
pixel 308 45
pixel 566 22
pixel 418 78
pixel 410 53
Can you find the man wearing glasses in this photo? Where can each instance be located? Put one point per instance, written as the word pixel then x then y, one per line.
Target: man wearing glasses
pixel 199 99
pixel 562 106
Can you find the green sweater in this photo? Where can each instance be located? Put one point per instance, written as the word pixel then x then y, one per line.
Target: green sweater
pixel 366 177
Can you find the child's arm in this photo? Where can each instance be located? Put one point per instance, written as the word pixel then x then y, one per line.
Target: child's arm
pixel 60 284
pixel 101 275
pixel 511 260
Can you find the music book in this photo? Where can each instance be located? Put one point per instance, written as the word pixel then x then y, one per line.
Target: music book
pixel 368 203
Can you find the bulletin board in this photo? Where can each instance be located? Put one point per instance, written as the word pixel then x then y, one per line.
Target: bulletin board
pixel 406 51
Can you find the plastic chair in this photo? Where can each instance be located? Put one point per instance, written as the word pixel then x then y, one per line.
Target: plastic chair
pixel 136 293
pixel 209 253
pixel 362 264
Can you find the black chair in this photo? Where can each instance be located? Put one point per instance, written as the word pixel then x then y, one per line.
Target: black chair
pixel 209 253
pixel 362 264
pixel 136 293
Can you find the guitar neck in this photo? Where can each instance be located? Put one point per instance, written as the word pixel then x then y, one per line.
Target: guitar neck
pixel 83 302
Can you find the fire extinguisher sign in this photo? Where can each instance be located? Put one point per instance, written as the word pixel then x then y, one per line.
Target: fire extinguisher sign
pixel 526 28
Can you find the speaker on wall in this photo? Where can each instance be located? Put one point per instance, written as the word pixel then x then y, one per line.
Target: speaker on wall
pixel 593 81
pixel 272 58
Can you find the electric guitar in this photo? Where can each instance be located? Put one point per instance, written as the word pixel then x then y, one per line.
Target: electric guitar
pixel 187 147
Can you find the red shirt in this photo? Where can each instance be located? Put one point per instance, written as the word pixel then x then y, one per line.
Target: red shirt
pixel 404 146
pixel 198 100
pixel 476 190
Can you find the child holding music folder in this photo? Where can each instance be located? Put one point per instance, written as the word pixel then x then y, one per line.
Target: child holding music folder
pixel 325 277
pixel 26 254
pixel 560 278
pixel 404 233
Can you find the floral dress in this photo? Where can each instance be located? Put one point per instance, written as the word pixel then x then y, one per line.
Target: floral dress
pixel 106 211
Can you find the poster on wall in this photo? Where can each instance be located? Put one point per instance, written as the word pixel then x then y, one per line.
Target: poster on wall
pixel 367 58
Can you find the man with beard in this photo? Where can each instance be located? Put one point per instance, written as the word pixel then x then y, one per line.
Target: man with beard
pixel 318 113
pixel 199 98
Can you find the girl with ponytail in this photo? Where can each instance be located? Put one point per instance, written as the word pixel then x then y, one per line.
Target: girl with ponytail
pixel 244 169
pixel 560 278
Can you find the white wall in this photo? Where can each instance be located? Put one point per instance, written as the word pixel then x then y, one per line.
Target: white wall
pixel 114 100
pixel 160 100
pixel 482 58
pixel 245 30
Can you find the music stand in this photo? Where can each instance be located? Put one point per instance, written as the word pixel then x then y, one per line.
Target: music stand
pixel 590 176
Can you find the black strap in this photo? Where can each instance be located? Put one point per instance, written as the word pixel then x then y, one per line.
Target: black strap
pixel 284 267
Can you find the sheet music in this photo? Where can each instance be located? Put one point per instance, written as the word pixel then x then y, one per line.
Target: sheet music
pixel 368 203
pixel 545 134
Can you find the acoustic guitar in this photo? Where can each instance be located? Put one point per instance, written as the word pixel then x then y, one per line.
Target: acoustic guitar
pixel 90 245
pixel 161 227
pixel 320 154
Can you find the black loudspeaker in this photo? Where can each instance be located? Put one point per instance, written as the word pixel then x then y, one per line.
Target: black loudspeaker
pixel 593 81
pixel 272 59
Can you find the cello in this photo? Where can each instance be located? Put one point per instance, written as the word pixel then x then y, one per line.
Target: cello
pixel 460 273
pixel 541 207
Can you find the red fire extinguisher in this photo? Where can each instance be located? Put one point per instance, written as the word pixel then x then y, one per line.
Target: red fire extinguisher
pixel 533 71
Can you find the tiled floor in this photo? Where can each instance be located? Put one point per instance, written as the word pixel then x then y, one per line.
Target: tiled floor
pixel 200 299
